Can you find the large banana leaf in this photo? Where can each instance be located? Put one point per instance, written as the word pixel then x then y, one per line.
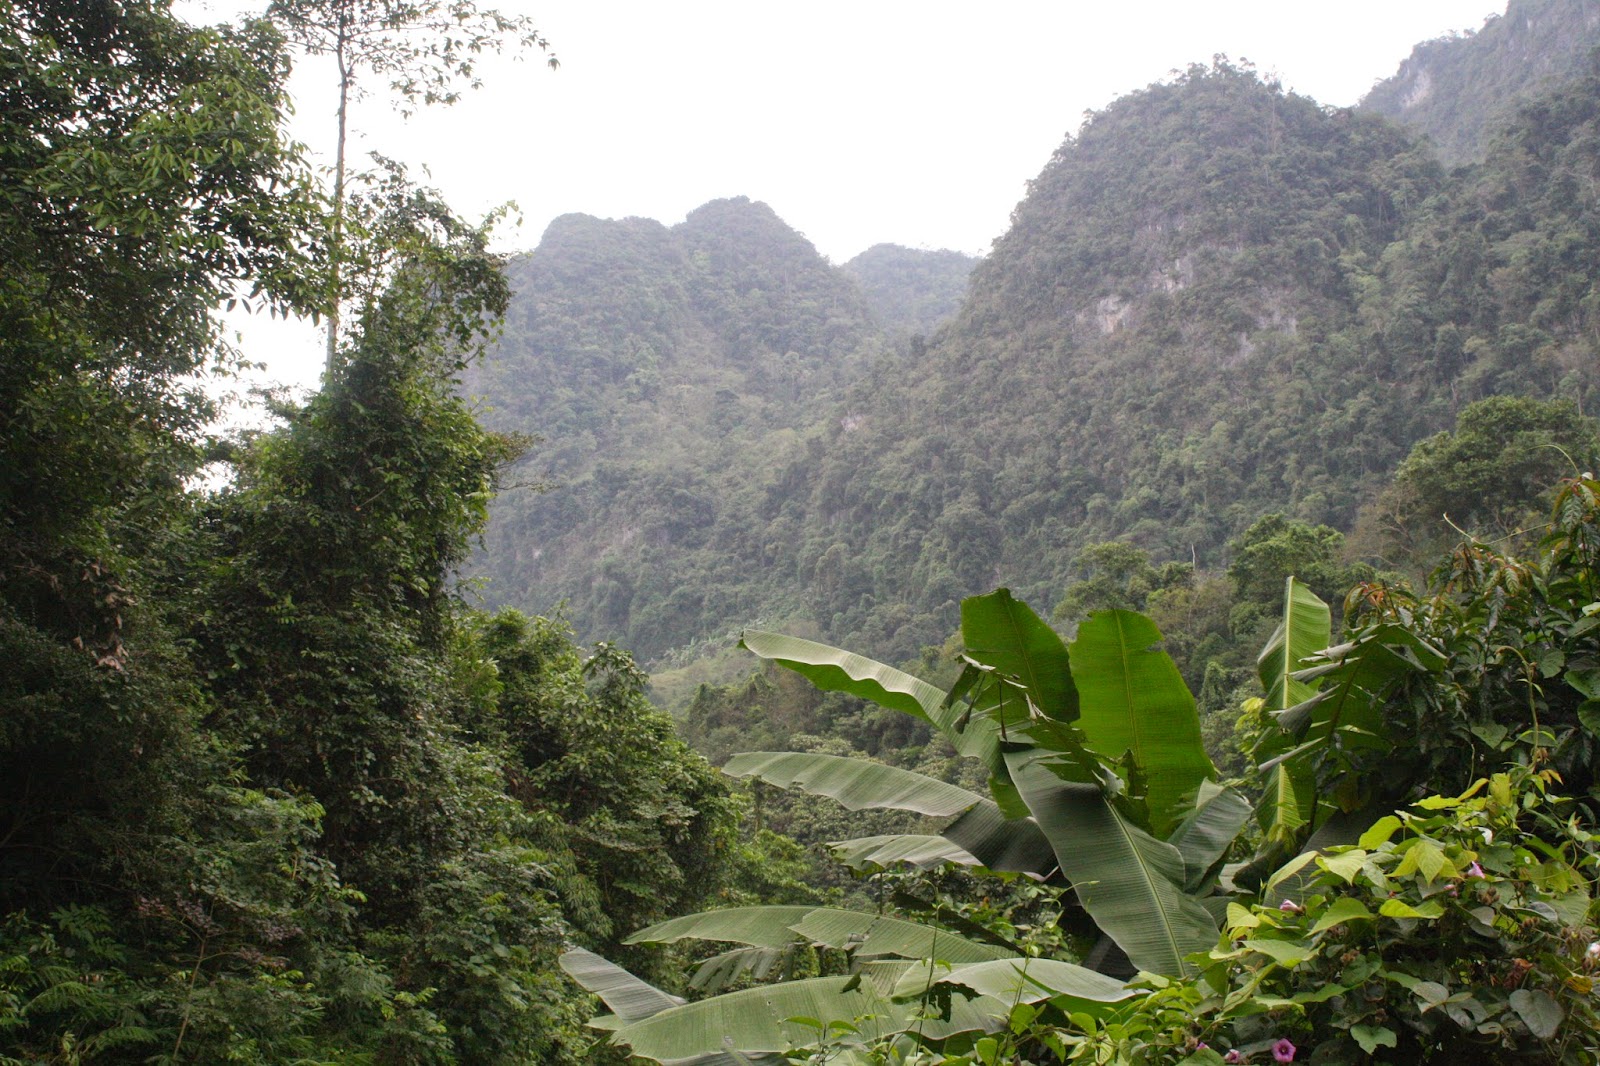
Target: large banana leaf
pixel 1306 628
pixel 629 998
pixel 757 1020
pixel 857 784
pixel 917 849
pixel 1207 831
pixel 864 934
pixel 1019 981
pixel 836 670
pixel 1002 632
pixel 1011 845
pixel 720 971
pixel 765 926
pixel 1129 881
pixel 1132 699
pixel 869 935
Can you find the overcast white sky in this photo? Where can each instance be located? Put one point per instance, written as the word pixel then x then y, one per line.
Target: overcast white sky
pixel 861 122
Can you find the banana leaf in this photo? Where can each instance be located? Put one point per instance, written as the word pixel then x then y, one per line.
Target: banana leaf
pixel 629 998
pixel 1129 882
pixel 765 927
pixel 870 935
pixel 916 849
pixel 1305 629
pixel 771 1018
pixel 1019 981
pixel 857 784
pixel 1008 845
pixel 836 670
pixel 1208 831
pixel 720 971
pixel 778 926
pixel 1003 633
pixel 1132 699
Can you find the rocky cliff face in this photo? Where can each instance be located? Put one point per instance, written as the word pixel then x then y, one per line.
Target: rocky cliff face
pixel 1458 89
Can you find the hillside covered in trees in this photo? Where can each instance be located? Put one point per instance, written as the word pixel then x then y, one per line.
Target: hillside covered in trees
pixel 274 788
pixel 1218 301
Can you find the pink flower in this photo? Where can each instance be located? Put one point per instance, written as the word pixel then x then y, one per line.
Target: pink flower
pixel 1290 905
pixel 1474 870
pixel 1233 1056
pixel 1283 1051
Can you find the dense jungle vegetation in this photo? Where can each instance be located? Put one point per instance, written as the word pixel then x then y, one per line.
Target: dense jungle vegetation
pixel 274 788
pixel 269 792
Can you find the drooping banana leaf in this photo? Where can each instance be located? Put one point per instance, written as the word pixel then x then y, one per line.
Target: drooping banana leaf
pixel 916 849
pixel 1128 881
pixel 1003 633
pixel 757 1020
pixel 629 998
pixel 857 784
pixel 1207 831
pixel 835 670
pixel 1306 628
pixel 1020 981
pixel 720 971
pixel 778 926
pixel 765 926
pixel 869 935
pixel 1132 699
pixel 1009 845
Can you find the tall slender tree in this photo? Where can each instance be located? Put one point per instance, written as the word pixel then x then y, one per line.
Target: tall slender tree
pixel 428 51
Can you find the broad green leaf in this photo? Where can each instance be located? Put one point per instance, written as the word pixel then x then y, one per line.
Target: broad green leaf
pixel 1020 981
pixel 629 998
pixel 1306 628
pixel 1538 1011
pixel 1132 699
pixel 720 971
pixel 1000 843
pixel 919 850
pixel 857 784
pixel 869 935
pixel 1426 858
pixel 1288 953
pixel 1282 810
pixel 1207 831
pixel 1380 832
pixel 1341 911
pixel 1343 864
pixel 1128 881
pixel 836 670
pixel 1002 632
pixel 755 1020
pixel 1395 908
pixel 1372 1037
pixel 768 927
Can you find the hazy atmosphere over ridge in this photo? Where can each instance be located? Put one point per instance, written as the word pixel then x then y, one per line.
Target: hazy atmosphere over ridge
pixel 917 124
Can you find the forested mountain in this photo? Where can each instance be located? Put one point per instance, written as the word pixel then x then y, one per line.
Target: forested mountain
pixel 1217 301
pixel 911 290
pixel 1457 89
pixel 669 371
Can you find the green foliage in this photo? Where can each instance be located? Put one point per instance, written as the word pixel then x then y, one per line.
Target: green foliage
pixel 1485 477
pixel 912 291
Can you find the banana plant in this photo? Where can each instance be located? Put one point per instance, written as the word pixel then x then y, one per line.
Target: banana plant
pixel 1096 776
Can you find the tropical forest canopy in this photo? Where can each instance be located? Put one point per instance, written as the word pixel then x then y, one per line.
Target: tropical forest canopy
pixel 275 787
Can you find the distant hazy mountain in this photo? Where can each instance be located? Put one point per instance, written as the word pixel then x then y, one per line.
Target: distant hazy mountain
pixel 1217 301
pixel 912 290
pixel 1456 89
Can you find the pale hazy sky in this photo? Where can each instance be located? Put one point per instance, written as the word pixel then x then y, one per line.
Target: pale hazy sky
pixel 917 123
